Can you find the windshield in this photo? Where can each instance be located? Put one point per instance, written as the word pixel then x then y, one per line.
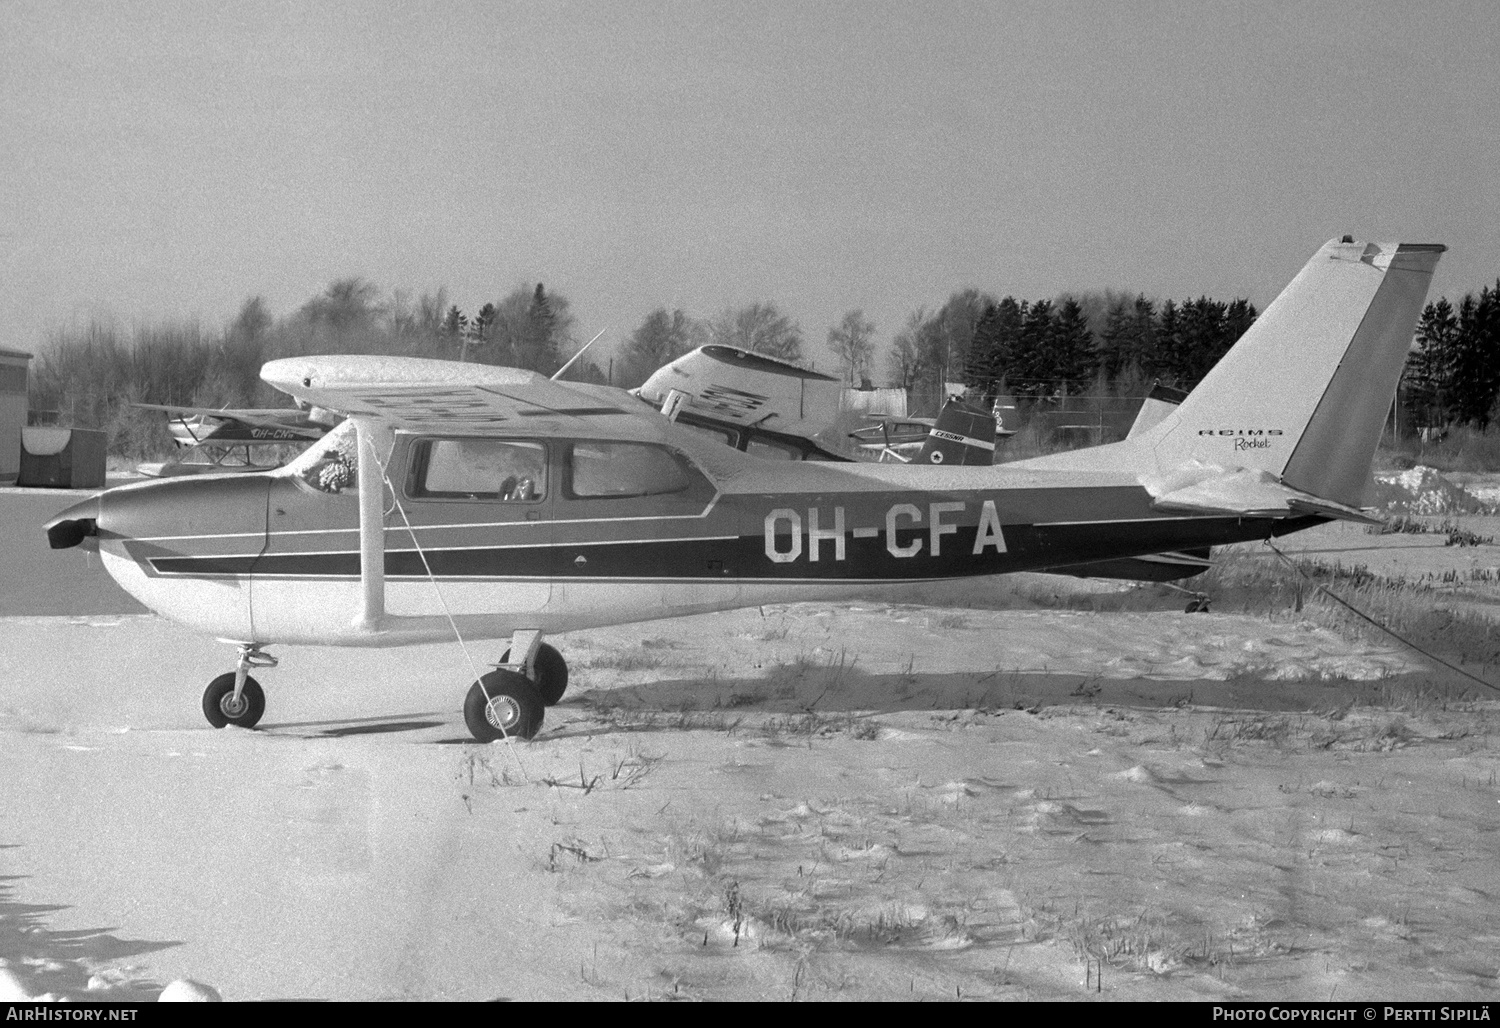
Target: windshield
pixel 331 464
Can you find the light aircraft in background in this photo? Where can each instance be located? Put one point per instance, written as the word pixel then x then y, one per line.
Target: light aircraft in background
pixel 891 439
pixel 778 410
pixel 231 440
pixel 760 405
pixel 492 503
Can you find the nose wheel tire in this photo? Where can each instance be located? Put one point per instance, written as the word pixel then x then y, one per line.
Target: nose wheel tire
pixel 551 673
pixel 221 708
pixel 505 704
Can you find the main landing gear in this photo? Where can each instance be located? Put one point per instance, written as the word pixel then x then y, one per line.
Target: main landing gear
pixel 236 698
pixel 1198 602
pixel 510 701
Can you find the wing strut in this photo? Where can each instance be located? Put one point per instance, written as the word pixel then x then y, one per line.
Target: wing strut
pixel 373 437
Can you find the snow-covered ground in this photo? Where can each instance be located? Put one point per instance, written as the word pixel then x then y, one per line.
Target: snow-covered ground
pixel 868 800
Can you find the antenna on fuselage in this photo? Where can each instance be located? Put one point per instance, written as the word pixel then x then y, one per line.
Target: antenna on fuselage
pixel 573 358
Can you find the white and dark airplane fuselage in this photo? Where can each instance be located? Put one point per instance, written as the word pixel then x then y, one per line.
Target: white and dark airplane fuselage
pixel 494 503
pixel 268 558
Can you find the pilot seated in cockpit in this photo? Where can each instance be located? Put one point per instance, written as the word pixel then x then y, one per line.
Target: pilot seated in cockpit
pixel 483 469
pixel 514 488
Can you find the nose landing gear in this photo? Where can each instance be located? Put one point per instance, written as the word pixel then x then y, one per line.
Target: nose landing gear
pixel 235 698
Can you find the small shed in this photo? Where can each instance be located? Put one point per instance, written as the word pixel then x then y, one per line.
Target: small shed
pixel 15 372
pixel 891 402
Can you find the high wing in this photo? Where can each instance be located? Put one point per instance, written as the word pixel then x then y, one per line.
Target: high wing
pixel 418 394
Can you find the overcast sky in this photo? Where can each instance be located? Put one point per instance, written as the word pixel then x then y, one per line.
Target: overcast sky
pixel 160 160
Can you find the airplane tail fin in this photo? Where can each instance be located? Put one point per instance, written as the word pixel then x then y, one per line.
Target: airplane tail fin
pixel 1293 412
pixel 1305 392
pixel 961 435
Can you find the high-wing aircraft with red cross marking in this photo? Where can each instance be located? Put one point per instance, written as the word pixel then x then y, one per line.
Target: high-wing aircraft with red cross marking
pixel 493 503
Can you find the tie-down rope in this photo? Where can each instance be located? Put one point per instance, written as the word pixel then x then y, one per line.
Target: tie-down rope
pixel 1321 588
pixel 437 589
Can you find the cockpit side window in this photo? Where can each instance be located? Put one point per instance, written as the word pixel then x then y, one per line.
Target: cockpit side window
pixel 478 469
pixel 608 470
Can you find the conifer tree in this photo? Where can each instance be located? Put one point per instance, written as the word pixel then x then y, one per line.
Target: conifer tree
pixel 1476 357
pixel 482 322
pixel 540 352
pixel 982 367
pixel 1073 357
pixel 1008 344
pixel 1429 368
pixel 1145 348
pixel 1238 317
pixel 1033 363
pixel 1115 342
pixel 1168 360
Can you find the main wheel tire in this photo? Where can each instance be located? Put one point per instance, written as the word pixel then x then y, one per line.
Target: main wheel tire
pixel 220 708
pixel 551 673
pixel 503 703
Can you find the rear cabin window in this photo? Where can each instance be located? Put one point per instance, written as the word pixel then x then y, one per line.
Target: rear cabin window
pixel 767 450
pixel 478 469
pixel 616 470
pixel 718 435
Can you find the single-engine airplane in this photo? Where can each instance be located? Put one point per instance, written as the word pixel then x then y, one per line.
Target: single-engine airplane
pixel 492 503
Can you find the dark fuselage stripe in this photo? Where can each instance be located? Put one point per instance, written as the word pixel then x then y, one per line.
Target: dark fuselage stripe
pixel 1028 548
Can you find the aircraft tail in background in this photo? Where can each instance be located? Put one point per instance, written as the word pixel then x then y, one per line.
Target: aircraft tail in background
pixel 961 435
pixel 1161 401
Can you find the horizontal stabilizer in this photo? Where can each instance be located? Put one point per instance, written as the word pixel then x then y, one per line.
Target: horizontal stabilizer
pixel 1198 488
pixel 1155 567
pixel 1337 511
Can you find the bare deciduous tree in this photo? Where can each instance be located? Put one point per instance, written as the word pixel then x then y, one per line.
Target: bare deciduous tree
pixel 852 341
pixel 760 328
pixel 346 305
pixel 906 360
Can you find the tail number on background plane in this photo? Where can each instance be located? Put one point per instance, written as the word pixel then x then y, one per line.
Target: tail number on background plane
pixel 822 530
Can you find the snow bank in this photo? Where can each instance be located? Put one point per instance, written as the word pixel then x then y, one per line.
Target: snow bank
pixel 1424 490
